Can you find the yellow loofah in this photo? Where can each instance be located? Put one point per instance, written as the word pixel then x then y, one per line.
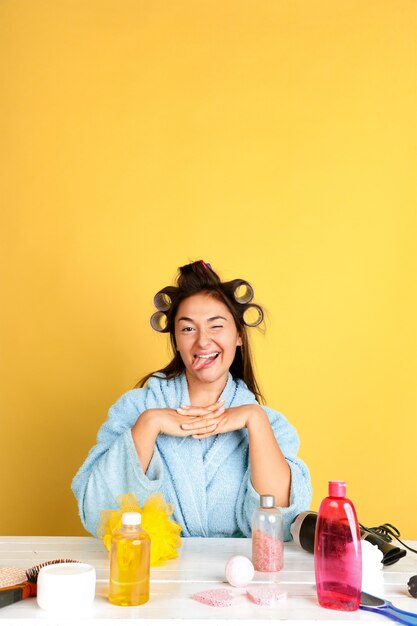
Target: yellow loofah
pixel 164 533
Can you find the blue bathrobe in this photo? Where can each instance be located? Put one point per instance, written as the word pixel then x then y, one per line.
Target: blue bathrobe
pixel 207 480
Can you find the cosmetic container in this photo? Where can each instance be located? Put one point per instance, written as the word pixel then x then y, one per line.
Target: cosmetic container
pixel 68 587
pixel 337 551
pixel 130 563
pixel 267 536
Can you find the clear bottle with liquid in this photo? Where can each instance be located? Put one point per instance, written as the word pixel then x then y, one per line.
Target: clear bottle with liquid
pixel 130 563
pixel 267 536
pixel 337 551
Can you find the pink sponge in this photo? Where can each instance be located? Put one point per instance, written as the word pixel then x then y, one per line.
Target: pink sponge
pixel 265 594
pixel 214 597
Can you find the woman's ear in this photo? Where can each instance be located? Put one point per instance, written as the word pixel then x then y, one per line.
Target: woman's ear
pixel 239 340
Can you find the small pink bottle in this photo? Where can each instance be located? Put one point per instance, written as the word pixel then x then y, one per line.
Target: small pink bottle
pixel 337 552
pixel 267 536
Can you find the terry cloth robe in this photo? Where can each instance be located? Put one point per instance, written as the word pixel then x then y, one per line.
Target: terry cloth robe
pixel 207 481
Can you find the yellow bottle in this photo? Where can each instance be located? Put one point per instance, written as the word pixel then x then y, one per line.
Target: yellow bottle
pixel 130 563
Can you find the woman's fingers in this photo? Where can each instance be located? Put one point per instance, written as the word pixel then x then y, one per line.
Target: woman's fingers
pixel 196 411
pixel 203 426
pixel 204 435
pixel 210 407
pixel 202 422
pixel 211 427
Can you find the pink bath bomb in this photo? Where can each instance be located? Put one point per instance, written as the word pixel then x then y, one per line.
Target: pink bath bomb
pixel 214 597
pixel 239 571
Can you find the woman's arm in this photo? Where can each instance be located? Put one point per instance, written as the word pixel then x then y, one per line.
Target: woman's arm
pixel 144 434
pixel 274 465
pixel 112 466
pixel 270 472
pixel 299 484
pixel 168 422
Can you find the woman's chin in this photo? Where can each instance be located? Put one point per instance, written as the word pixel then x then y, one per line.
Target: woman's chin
pixel 208 375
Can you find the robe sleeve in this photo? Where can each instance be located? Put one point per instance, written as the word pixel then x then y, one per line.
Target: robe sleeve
pixel 300 492
pixel 112 466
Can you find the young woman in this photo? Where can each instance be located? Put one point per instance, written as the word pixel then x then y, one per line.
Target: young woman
pixel 197 432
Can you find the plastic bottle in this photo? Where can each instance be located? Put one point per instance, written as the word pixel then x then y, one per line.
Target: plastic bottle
pixel 130 563
pixel 337 551
pixel 267 537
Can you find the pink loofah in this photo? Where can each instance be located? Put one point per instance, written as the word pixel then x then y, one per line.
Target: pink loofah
pixel 265 594
pixel 214 597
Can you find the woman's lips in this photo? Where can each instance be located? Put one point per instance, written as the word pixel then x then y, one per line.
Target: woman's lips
pixel 204 361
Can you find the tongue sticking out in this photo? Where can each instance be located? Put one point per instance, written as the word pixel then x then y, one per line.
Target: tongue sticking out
pixel 200 362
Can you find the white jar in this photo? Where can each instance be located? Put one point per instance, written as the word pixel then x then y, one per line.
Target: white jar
pixel 66 587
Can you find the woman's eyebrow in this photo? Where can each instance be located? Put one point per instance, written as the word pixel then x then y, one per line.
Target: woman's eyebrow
pixel 210 319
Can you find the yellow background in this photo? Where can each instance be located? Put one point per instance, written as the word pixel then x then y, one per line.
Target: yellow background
pixel 274 139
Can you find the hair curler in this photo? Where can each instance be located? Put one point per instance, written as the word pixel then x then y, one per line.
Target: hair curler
pixel 164 298
pixel 303 530
pixel 253 315
pixel 243 292
pixel 159 322
pixel 162 301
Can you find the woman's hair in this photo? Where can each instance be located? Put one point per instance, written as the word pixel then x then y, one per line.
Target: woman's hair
pixel 198 277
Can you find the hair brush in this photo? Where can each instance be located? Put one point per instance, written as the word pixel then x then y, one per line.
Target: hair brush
pixel 17 584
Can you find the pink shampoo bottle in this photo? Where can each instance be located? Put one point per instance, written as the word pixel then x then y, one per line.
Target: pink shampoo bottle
pixel 337 551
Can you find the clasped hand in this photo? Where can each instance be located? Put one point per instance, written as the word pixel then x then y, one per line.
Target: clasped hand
pixel 202 422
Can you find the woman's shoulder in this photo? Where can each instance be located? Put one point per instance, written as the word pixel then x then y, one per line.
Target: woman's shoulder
pixel 130 400
pixel 159 383
pixel 281 424
pixel 153 380
pixel 270 409
pixel 275 417
pixel 156 389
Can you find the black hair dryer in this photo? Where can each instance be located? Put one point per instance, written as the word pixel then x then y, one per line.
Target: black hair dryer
pixel 303 529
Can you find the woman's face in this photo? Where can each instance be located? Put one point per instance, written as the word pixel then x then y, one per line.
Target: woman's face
pixel 206 337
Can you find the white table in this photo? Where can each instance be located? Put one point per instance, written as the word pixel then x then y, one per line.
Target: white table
pixel 200 566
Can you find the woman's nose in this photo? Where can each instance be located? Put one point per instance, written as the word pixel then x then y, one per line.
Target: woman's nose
pixel 203 339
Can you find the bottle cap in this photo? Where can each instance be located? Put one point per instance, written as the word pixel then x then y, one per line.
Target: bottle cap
pixel 267 502
pixel 337 488
pixel 131 518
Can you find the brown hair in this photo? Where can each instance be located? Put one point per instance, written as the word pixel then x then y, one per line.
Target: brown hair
pixel 198 277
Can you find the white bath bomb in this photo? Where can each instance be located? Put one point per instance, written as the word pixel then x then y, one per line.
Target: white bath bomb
pixel 239 571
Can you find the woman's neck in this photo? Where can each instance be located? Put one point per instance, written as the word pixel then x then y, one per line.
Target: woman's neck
pixel 204 394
